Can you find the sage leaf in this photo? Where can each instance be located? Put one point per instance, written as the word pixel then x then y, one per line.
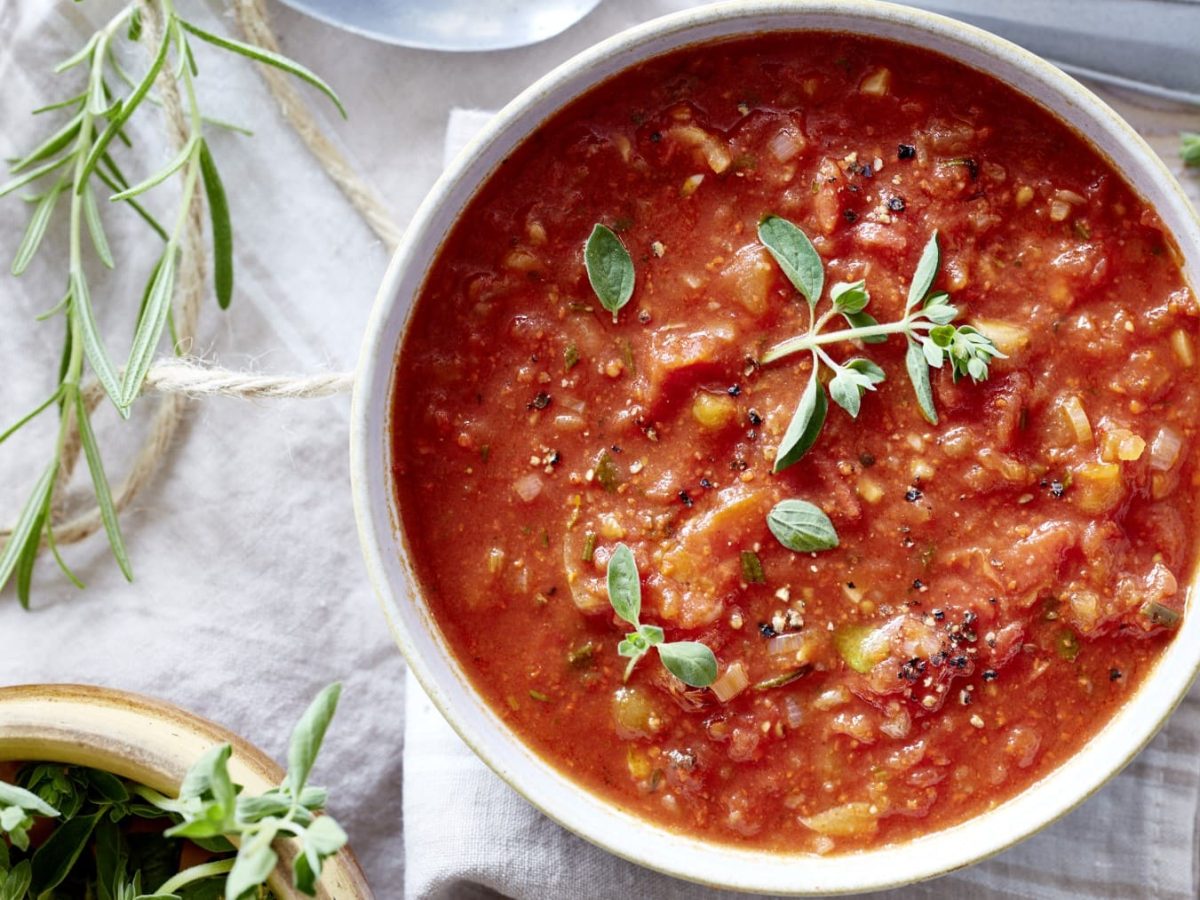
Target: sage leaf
pixel 11 795
pixel 308 735
pixel 805 425
pixel 918 374
pixel 53 861
pixel 254 865
pixel 801 526
pixel 609 269
pixel 624 585
pixel 795 254
pixel 222 228
pixel 266 57
pixel 1189 148
pixel 325 836
pixel 15 885
pixel 927 267
pixel 691 662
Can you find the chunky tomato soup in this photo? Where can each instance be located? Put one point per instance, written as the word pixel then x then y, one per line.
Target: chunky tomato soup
pixel 1002 580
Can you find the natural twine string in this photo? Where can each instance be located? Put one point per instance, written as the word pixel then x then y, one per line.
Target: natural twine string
pixel 178 379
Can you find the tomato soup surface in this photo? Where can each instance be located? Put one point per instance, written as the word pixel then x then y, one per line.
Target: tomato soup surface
pixel 1003 581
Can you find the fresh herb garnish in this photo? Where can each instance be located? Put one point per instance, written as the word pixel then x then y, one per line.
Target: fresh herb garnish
pixel 801 526
pixel 752 568
pixel 1189 148
pixel 92 850
pixel 75 163
pixel 609 269
pixel 925 324
pixel 691 662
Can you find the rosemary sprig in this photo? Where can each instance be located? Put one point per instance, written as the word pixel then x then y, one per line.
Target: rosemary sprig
pixel 925 325
pixel 75 163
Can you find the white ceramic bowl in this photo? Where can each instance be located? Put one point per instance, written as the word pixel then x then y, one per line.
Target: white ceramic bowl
pixel 423 645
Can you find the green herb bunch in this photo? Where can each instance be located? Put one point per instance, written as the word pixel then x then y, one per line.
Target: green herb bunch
pixel 94 852
pixel 71 167
pixel 926 325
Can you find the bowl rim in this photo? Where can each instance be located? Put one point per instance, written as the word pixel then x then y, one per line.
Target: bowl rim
pixel 151 742
pixel 374 515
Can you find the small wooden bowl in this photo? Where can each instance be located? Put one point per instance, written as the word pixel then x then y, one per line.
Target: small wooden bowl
pixel 151 743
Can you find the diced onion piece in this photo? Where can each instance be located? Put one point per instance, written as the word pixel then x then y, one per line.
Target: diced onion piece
pixel 786 644
pixel 1023 196
pixel 690 184
pixel 897 724
pixel 1077 419
pixel 1121 445
pixel 861 646
pixel 711 148
pixel 832 698
pixel 1008 337
pixel 731 682
pixel 522 260
pixel 793 712
pixel 869 489
pixel 1181 343
pixel 1097 487
pixel 1059 210
pixel 1085 605
pixel 877 83
pixel 495 560
pixel 1069 197
pixel 847 820
pixel 528 487
pixel 1164 450
pixel 786 144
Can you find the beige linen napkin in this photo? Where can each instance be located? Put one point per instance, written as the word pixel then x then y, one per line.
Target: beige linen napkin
pixel 467 834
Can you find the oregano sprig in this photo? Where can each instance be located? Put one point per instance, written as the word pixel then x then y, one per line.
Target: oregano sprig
pixel 77 163
pixel 89 850
pixel 926 326
pixel 691 662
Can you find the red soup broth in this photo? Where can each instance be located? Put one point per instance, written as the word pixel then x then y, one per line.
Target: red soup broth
pixel 1004 580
